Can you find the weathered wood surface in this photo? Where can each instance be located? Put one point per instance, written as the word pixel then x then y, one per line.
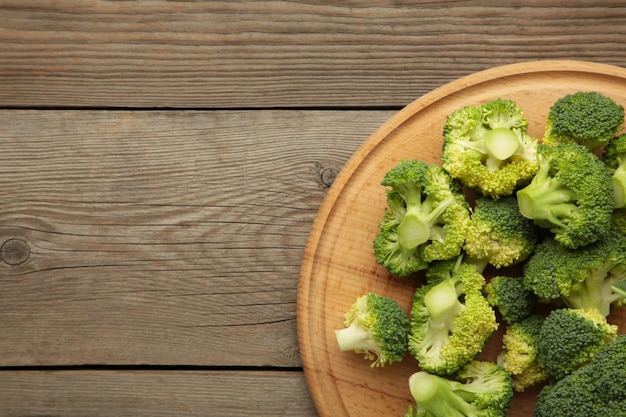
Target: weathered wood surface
pixel 154 394
pixel 242 54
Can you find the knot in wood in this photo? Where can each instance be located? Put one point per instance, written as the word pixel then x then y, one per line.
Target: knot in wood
pixel 328 176
pixel 14 251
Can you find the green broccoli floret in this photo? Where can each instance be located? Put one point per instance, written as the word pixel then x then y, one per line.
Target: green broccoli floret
pixel 479 389
pixel 426 218
pixel 578 278
pixel 614 158
pixel 571 195
pixel 498 233
pixel 595 390
pixel 569 338
pixel 451 318
pixel 519 355
pixel 586 117
pixel 486 147
pixel 376 326
pixel 510 297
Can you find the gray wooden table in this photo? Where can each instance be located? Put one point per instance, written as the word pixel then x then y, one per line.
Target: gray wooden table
pixel 161 165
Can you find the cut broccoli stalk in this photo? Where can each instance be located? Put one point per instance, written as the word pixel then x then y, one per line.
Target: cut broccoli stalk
pixel 420 220
pixel 620 288
pixel 547 198
pixel 441 397
pixel 443 305
pixel 618 180
pixel 355 337
pixel 501 144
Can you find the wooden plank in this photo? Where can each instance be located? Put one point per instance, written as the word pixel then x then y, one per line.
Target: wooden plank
pixel 259 54
pixel 154 393
pixel 167 238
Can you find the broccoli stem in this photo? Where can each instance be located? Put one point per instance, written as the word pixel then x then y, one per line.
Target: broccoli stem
pixel 618 180
pixel 355 337
pixel 443 305
pixel 546 198
pixel 440 397
pixel 419 222
pixel 501 143
pixel 595 291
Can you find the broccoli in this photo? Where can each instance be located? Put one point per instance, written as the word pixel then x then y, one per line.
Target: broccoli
pixel 595 390
pixel 426 218
pixel 586 117
pixel 569 338
pixel 498 233
pixel 451 318
pixel 571 195
pixel 376 326
pixel 486 147
pixel 519 355
pixel 614 158
pixel 510 297
pixel 578 278
pixel 479 389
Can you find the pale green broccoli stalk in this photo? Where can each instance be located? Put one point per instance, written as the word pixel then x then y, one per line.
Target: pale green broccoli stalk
pixel 586 117
pixel 578 278
pixel 479 389
pixel 486 147
pixel 520 353
pixel 376 326
pixel 569 338
pixel 451 318
pixel 597 389
pixel 510 297
pixel 571 195
pixel 614 158
pixel 499 233
pixel 426 218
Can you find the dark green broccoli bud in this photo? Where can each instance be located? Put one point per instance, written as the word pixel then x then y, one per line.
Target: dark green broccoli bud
pixel 499 233
pixel 376 326
pixel 510 297
pixel 571 195
pixel 480 389
pixel 586 117
pixel 451 319
pixel 579 278
pixel 520 352
pixel 595 390
pixel 486 147
pixel 569 338
pixel 426 218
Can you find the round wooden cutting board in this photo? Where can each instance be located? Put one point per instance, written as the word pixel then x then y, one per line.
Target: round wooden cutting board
pixel 339 264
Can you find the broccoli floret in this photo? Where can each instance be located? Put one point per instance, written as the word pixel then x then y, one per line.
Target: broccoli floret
pixel 486 147
pixel 578 278
pixel 595 390
pixel 451 318
pixel 510 297
pixel 426 218
pixel 376 326
pixel 479 389
pixel 519 355
pixel 571 195
pixel 586 117
pixel 498 233
pixel 569 338
pixel 614 158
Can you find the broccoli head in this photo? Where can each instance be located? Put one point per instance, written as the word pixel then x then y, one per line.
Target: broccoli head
pixel 499 233
pixel 586 117
pixel 510 297
pixel 519 355
pixel 578 278
pixel 376 326
pixel 426 218
pixel 486 147
pixel 571 195
pixel 569 338
pixel 451 318
pixel 479 389
pixel 595 390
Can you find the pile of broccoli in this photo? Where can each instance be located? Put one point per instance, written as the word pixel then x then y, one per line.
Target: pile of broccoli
pixel 513 232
